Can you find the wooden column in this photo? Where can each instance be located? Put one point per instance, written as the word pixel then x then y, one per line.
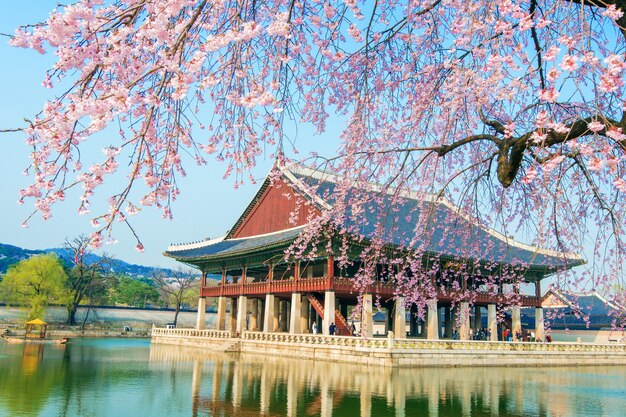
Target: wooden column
pixel 330 266
pixel 223 276
pixel 296 270
pixel 203 281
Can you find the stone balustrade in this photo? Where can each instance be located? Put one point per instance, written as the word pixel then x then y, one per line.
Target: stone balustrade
pixel 421 344
pixel 317 340
pixel 191 333
pixel 392 352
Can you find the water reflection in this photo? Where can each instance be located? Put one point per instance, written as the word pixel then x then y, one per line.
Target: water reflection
pixel 225 385
pixel 114 377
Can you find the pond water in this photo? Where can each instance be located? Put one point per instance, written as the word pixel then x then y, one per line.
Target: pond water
pixel 129 377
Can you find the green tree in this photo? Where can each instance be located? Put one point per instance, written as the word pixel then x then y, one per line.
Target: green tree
pixel 131 292
pixel 85 279
pixel 34 283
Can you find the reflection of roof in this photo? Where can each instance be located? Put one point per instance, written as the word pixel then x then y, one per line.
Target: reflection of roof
pixel 36 322
pixel 469 240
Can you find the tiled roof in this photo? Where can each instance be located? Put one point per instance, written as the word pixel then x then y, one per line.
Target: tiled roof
pixel 467 241
pixel 574 307
pixel 230 247
pixel 492 246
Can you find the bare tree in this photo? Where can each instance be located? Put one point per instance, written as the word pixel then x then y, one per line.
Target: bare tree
pixel 176 289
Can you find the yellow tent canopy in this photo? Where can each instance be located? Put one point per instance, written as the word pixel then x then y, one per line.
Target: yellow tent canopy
pixel 36 329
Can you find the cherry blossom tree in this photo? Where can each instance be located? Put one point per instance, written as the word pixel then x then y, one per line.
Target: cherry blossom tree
pixel 513 110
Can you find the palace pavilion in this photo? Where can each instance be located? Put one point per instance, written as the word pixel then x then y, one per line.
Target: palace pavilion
pixel 269 293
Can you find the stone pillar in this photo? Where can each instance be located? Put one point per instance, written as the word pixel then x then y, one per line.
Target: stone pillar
pixel 295 322
pixel 399 320
pixel 304 314
pixel 268 319
pixel 454 318
pixel 433 320
pixel 254 314
pixel 447 319
pixel 367 322
pixel 259 317
pixel 413 322
pixel 329 311
pixel 540 329
pixel 233 316
pixel 492 322
pixel 242 311
pixel 276 322
pixel 221 313
pixel 284 311
pixel 478 319
pixel 464 325
pixel 201 319
pixel 516 321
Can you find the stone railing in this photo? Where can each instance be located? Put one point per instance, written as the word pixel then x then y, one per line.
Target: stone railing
pixel 214 334
pixel 317 339
pixel 392 343
pixel 506 346
pixel 422 344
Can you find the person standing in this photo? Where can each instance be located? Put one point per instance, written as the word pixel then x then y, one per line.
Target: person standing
pixel 314 328
pixel 331 329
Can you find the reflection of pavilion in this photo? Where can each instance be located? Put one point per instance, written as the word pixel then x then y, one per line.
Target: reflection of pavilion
pixel 267 293
pixel 250 385
pixel 32 357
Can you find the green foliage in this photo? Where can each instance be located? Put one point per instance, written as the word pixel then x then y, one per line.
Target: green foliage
pixel 130 292
pixel 34 283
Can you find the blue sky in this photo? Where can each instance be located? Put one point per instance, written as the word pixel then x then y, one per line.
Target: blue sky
pixel 207 207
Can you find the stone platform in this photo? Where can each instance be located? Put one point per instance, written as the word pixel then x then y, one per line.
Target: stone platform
pixel 397 352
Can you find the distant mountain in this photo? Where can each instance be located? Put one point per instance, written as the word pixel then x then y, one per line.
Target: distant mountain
pixel 10 255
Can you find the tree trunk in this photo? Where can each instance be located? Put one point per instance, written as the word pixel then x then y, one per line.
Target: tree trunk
pixel 71 314
pixel 176 315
